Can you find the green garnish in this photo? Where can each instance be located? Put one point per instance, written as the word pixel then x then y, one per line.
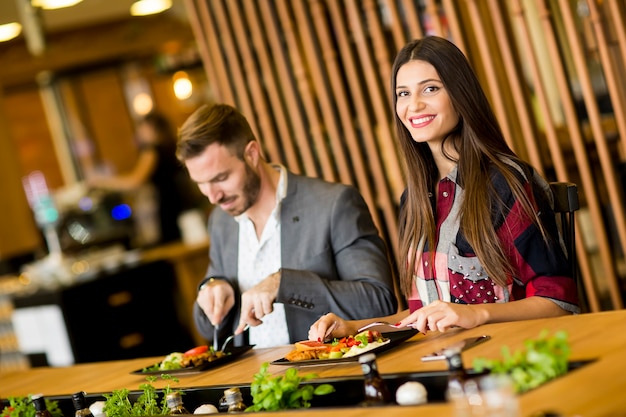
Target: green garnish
pixel 23 407
pixel 362 338
pixel 118 404
pixel 283 392
pixel 163 366
pixel 541 360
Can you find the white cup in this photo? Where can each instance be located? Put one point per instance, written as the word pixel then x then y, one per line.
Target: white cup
pixel 193 227
pixel 488 396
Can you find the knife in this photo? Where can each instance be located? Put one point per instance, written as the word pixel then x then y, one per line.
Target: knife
pixel 216 345
pixel 463 344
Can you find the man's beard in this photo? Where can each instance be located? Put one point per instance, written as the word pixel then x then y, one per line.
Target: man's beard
pixel 250 192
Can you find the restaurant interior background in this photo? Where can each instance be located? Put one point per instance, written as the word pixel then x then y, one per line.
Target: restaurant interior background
pixel 313 78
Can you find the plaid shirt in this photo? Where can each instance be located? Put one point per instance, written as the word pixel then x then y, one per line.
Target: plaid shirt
pixel 456 275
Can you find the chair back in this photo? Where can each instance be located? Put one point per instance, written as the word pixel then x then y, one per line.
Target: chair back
pixel 565 205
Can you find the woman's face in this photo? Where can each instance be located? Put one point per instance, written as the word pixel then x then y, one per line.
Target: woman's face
pixel 423 104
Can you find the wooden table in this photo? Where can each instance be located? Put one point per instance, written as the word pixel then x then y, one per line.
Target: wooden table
pixel 596 389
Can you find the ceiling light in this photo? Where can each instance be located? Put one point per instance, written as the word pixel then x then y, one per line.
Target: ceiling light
pixel 54 4
pixel 183 87
pixel 9 31
pixel 146 7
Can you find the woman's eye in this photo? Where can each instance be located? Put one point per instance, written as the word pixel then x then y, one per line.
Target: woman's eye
pixel 402 93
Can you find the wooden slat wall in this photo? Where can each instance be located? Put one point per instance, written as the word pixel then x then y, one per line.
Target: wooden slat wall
pixel 313 79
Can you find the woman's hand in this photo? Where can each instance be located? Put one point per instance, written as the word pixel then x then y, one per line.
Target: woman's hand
pixel 441 316
pixel 330 326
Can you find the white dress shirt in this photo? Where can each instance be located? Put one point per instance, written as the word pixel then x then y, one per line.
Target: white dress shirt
pixel 259 258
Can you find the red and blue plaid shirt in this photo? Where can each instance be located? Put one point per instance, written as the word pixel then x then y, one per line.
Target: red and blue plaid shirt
pixel 456 275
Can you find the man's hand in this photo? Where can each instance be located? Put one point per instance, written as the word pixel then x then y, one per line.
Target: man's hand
pixel 216 298
pixel 258 301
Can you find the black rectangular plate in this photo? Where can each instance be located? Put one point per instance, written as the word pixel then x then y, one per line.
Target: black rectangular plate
pixel 233 353
pixel 395 337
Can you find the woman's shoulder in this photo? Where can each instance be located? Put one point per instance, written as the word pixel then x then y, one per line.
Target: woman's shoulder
pixel 529 178
pixel 523 171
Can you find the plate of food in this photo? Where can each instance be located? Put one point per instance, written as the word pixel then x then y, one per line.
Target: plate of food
pixel 197 359
pixel 344 350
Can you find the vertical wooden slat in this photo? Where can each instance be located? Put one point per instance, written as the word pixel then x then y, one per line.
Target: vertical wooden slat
pixel 617 12
pixel 193 13
pixel 288 89
pixel 385 199
pixel 276 111
pixel 522 109
pixel 411 16
pixel 314 124
pixel 396 24
pixel 237 80
pixel 215 60
pixel 487 59
pixel 433 11
pixel 587 188
pixel 454 18
pixel 382 57
pixel 614 192
pixel 252 81
pixel 542 100
pixel 345 114
pixel 610 67
pixel 378 100
pixel 319 85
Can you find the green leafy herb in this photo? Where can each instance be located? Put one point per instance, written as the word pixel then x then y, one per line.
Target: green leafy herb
pixel 170 362
pixel 284 392
pixel 23 407
pixel 541 360
pixel 118 404
pixel 363 338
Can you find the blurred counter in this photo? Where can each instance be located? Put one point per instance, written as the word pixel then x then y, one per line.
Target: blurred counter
pixel 106 304
pixel 190 262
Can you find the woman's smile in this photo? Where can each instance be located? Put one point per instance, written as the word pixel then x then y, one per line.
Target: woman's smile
pixel 421 121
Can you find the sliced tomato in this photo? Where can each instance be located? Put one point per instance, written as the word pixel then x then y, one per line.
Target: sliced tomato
pixel 196 351
pixel 353 342
pixel 310 344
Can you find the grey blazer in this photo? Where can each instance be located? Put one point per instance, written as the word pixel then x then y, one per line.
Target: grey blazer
pixel 333 259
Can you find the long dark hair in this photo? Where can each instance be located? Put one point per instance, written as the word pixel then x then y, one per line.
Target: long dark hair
pixel 480 145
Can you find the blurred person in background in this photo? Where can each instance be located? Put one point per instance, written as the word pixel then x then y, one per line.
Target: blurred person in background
pixel 158 167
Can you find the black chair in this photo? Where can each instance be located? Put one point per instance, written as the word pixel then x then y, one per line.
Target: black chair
pixel 565 205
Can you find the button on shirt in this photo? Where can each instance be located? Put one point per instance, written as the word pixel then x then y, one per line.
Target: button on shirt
pixel 258 258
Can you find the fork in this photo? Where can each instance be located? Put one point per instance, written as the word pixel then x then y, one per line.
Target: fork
pixel 380 323
pixel 229 338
